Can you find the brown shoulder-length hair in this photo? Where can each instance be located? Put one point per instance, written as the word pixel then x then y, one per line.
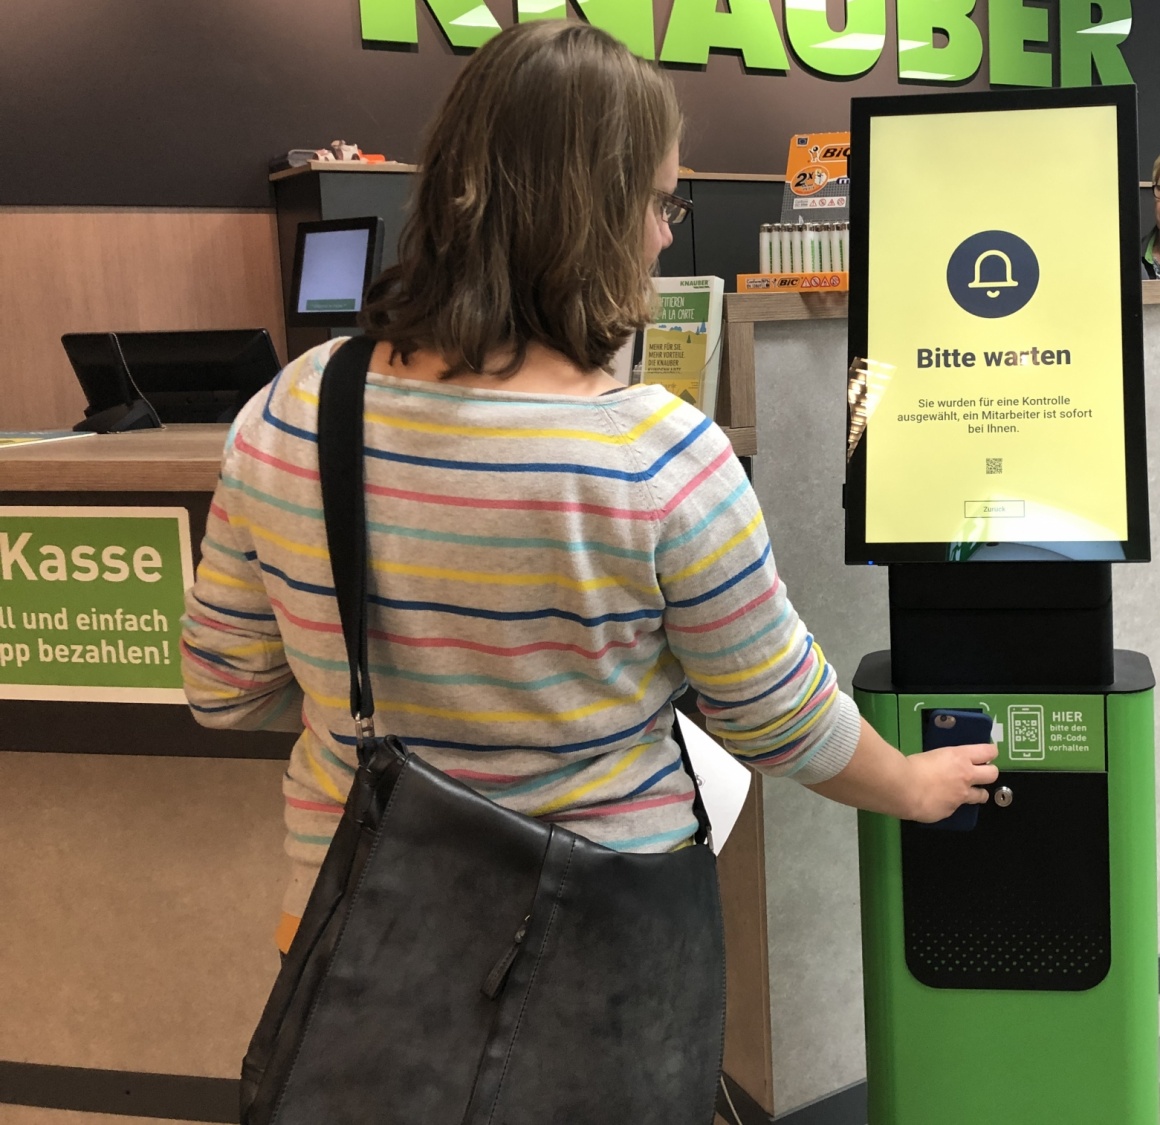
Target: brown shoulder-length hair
pixel 528 219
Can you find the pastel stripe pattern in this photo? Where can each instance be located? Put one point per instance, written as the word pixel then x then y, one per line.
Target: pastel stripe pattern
pixel 548 573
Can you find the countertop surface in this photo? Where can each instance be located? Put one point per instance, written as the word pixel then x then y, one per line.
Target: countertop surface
pixel 172 459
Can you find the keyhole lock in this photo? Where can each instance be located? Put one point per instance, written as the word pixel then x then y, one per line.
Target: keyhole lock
pixel 1004 797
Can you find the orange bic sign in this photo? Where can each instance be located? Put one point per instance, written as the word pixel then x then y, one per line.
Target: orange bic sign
pixel 816 159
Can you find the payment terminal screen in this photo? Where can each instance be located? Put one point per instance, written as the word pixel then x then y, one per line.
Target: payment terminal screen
pixel 994 330
pixel 333 271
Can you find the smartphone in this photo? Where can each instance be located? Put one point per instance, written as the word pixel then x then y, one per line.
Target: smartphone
pixel 944 726
pixel 1025 733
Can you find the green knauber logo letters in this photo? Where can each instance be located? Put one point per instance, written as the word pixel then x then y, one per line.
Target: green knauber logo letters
pixel 937 40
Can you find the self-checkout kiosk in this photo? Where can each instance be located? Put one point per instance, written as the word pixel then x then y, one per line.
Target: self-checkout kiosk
pixel 996 465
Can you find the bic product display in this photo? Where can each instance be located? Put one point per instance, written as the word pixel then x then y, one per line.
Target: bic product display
pixel 800 256
pixel 804 248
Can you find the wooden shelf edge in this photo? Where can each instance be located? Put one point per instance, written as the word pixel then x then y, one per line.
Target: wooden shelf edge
pixel 743 439
pixel 342 166
pixel 399 166
pixel 758 307
pixel 730 177
pixel 755 307
pixel 396 166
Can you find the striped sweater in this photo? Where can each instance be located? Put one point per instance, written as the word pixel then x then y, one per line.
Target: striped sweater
pixel 547 574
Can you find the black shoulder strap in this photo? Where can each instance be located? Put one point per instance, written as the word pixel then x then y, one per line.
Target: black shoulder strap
pixel 340 466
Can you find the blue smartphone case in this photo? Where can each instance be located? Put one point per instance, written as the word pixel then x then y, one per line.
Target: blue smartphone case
pixel 942 726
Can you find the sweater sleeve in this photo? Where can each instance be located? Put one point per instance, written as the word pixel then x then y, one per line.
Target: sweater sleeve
pixel 232 657
pixel 762 680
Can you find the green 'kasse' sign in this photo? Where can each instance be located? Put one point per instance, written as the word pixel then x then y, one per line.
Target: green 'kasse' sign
pixel 91 602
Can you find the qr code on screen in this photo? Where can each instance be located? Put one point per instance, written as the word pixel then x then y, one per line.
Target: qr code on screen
pixel 994 465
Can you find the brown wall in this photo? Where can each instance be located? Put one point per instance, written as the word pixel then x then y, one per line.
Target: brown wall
pixel 98 269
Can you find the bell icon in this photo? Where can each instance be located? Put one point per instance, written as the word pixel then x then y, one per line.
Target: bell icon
pixel 1005 272
pixel 993 285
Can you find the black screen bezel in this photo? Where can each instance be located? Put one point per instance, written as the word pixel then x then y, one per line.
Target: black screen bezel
pixel 373 225
pixel 1137 547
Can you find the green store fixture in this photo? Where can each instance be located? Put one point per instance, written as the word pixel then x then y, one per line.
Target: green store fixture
pixel 1009 953
pixel 1011 970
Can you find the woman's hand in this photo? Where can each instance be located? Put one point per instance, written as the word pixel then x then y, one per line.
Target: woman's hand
pixel 926 787
pixel 944 779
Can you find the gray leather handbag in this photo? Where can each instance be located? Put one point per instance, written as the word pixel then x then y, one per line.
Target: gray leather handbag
pixel 462 964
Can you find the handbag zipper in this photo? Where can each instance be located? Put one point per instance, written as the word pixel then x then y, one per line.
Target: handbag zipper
pixel 494 983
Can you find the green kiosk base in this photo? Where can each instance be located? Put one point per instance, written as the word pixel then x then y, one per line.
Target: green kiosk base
pixel 1009 953
pixel 1011 968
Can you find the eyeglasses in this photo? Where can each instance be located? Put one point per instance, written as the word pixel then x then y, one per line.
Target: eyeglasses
pixel 673 208
pixel 1156 190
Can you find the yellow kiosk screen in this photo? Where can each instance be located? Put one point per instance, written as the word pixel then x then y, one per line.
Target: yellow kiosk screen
pixel 994 329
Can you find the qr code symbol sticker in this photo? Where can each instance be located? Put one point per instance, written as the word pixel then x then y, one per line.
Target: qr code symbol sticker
pixel 994 465
pixel 1025 732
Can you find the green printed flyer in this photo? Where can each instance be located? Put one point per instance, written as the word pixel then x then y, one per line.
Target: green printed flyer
pixel 676 348
pixel 91 602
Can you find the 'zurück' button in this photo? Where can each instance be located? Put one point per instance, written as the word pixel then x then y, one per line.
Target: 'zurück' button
pixel 1001 509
